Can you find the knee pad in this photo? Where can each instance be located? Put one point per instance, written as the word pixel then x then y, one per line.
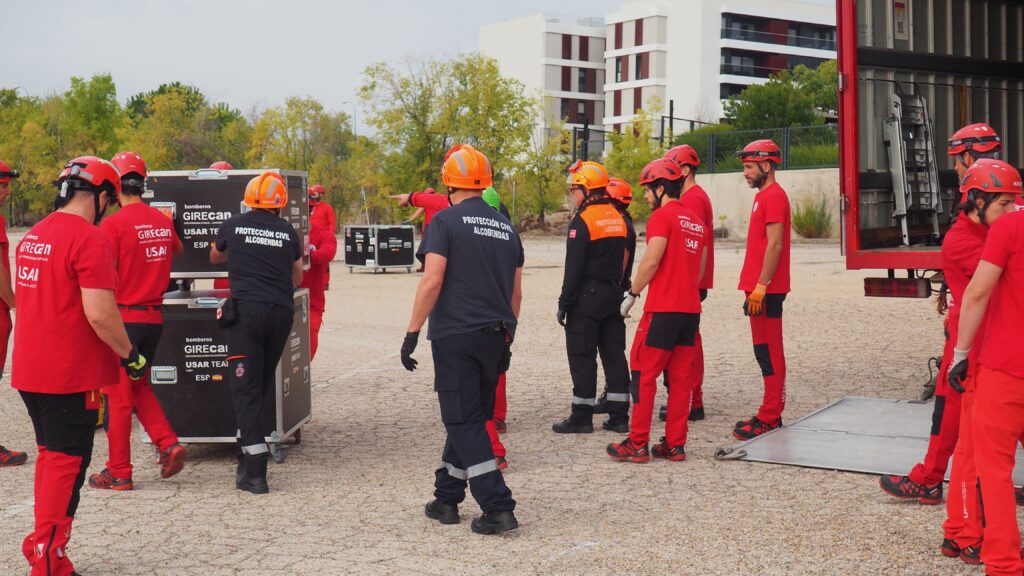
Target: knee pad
pixel 764 359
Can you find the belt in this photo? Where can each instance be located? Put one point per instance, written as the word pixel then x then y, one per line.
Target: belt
pixel 139 307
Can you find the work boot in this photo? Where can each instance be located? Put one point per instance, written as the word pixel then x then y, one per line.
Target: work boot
pixel 501 461
pixel 171 460
pixel 254 478
pixel 754 428
pixel 602 403
pixel 949 548
pixel 12 457
pixel 443 512
pixel 971 554
pixel 663 413
pixel 904 488
pixel 696 414
pixel 495 522
pixel 500 426
pixel 106 481
pixel 570 426
pixel 628 452
pixel 662 450
pixel 618 424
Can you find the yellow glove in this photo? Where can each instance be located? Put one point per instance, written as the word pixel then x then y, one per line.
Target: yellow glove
pixel 135 364
pixel 754 304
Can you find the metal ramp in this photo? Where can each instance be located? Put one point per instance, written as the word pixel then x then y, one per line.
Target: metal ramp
pixel 907 132
pixel 856 434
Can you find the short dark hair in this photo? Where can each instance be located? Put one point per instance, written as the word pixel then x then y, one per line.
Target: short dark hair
pixel 673 188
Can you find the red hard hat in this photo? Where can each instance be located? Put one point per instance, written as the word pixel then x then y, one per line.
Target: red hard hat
pixel 221 165
pixel 6 174
pixel 973 138
pixel 96 172
pixel 761 151
pixel 316 193
pixel 129 163
pixel 660 168
pixel 992 177
pixel 683 155
pixel 620 190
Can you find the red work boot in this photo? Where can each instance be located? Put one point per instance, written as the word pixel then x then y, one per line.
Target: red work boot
pixel 971 554
pixel 171 460
pixel 905 488
pixel 675 454
pixel 629 452
pixel 754 428
pixel 949 548
pixel 12 457
pixel 105 481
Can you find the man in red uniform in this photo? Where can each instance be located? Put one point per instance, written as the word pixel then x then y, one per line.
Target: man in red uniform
pixel 7 457
pixel 999 370
pixel 143 239
pixel 66 280
pixel 323 246
pixel 322 214
pixel 666 337
pixel 695 198
pixel 961 249
pixel 764 279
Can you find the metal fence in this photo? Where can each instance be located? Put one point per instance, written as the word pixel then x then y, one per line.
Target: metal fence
pixel 802 147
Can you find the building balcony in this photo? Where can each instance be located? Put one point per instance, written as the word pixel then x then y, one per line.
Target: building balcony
pixel 779 39
pixel 749 70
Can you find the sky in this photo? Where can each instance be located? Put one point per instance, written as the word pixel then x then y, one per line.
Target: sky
pixel 247 53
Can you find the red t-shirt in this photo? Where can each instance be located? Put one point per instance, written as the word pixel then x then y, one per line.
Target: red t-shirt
pixel 56 351
pixel 674 287
pixel 319 262
pixel 961 252
pixel 431 204
pixel 5 251
pixel 1005 312
pixel 144 240
pixel 322 214
pixel 771 206
pixel 697 199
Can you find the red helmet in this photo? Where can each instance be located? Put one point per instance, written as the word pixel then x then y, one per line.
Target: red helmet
pixel 979 138
pixel 619 189
pixel 316 193
pixel 221 165
pixel 660 168
pixel 129 163
pixel 6 174
pixel 91 172
pixel 761 151
pixel 683 155
pixel 991 177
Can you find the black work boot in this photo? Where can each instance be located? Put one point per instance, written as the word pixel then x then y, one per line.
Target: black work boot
pixel 495 522
pixel 617 423
pixel 573 426
pixel 663 413
pixel 696 414
pixel 254 479
pixel 602 404
pixel 443 512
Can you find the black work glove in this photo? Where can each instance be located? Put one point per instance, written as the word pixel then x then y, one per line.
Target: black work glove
pixel 560 316
pixel 957 370
pixel 408 347
pixel 135 364
pixel 506 358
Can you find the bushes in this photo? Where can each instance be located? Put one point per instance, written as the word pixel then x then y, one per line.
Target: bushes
pixel 812 218
pixel 814 155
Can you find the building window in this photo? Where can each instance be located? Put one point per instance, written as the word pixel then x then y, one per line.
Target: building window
pixel 638 99
pixel 637 65
pixel 584 48
pixel 618 69
pixel 565 109
pixel 727 91
pixel 581 109
pixel 639 33
pixel 566 46
pixel 741 64
pixel 582 81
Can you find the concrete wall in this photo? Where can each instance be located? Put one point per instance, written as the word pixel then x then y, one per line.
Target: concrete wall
pixel 731 197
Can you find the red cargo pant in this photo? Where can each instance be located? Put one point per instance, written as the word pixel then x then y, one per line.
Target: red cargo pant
pixel 963 511
pixel 945 420
pixel 663 341
pixel 316 320
pixel 697 396
pixel 136 396
pixel 766 332
pixel 998 424
pixel 492 428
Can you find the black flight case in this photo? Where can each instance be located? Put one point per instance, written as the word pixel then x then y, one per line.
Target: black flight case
pixel 380 247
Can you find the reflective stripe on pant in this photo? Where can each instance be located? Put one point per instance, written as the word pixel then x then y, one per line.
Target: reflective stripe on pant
pixel 64 425
pixel 766 333
pixel 594 325
pixel 465 377
pixel 255 343
pixel 499 414
pixel 963 510
pixel 664 340
pixel 997 426
pixel 135 395
pixel 945 422
pixel 316 320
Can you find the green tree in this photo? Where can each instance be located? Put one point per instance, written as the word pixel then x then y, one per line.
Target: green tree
pixel 631 150
pixel 780 103
pixel 541 171
pixel 140 105
pixel 821 83
pixel 89 118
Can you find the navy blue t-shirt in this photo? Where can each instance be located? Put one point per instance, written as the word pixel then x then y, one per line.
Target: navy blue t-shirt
pixel 261 248
pixel 483 252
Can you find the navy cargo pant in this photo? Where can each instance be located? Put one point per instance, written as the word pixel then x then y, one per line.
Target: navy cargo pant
pixel 595 325
pixel 465 378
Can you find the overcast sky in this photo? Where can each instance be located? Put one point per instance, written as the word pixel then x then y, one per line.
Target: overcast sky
pixel 246 53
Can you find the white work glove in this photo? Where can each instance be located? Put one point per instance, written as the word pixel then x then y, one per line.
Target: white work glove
pixel 628 299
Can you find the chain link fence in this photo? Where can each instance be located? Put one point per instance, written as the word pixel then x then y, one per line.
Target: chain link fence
pixel 802 146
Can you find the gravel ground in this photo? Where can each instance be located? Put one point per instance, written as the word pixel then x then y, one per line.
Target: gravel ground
pixel 349 499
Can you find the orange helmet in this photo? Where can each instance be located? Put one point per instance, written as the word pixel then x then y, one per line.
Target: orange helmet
pixel 466 168
pixel 620 190
pixel 267 190
pixel 590 175
pixel 973 138
pixel 761 151
pixel 684 155
pixel 221 165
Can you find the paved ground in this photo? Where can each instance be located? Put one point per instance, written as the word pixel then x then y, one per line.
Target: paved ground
pixel 349 500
